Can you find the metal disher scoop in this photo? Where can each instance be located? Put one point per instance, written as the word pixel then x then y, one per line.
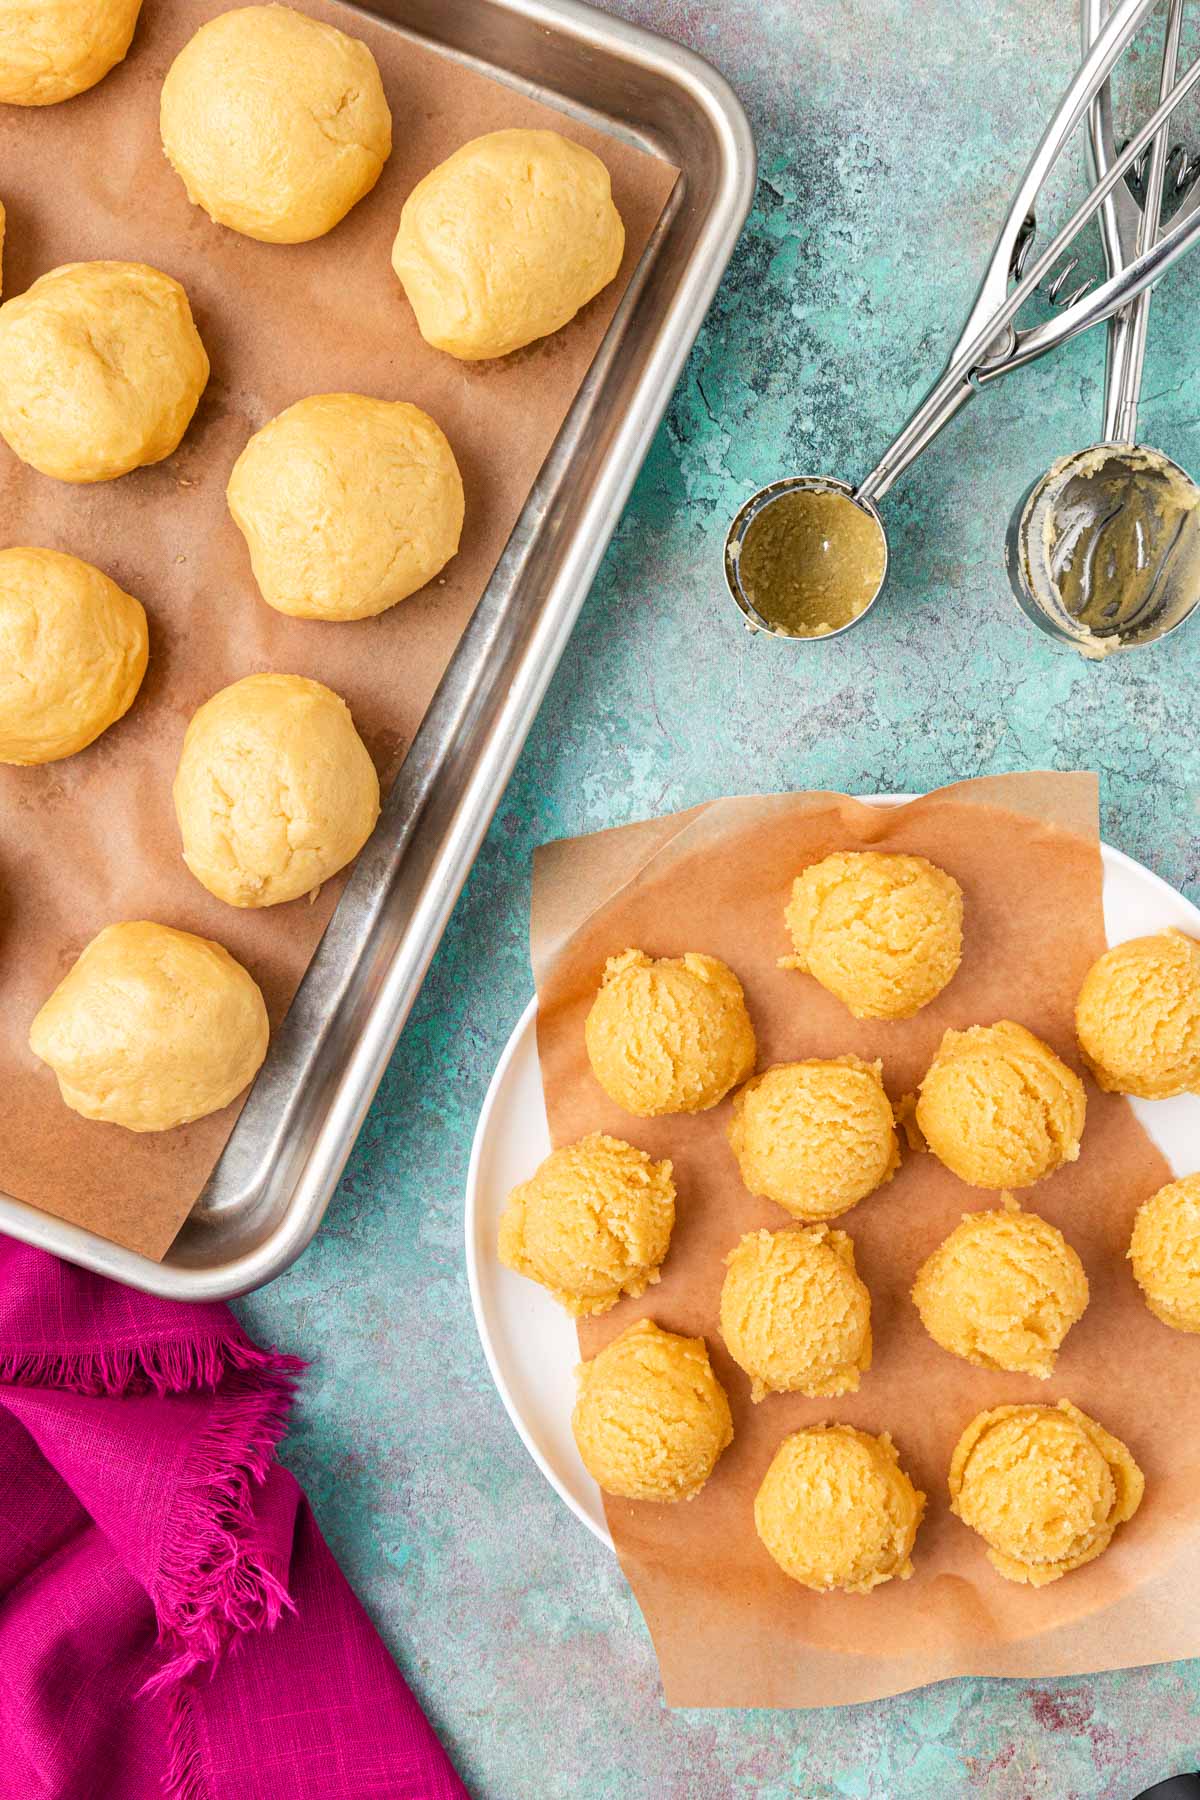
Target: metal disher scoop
pixel 990 344
pixel 1103 550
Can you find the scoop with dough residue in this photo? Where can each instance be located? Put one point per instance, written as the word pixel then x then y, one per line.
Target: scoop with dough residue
pixel 1044 1486
pixel 591 1224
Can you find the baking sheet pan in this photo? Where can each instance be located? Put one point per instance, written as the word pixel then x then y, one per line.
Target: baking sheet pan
pixel 278 1170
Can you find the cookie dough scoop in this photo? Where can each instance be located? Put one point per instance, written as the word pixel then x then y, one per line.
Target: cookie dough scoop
pixel 651 1418
pixel 1138 1017
pixel 1002 1291
pixel 593 1223
pixel 669 1034
pixel 836 1510
pixel 1045 1487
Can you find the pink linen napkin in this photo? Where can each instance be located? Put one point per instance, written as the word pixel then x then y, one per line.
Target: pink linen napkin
pixel 171 1620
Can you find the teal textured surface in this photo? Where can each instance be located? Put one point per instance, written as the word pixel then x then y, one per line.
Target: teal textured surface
pixel 890 135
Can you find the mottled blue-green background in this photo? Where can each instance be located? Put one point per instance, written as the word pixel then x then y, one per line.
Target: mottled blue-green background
pixel 890 133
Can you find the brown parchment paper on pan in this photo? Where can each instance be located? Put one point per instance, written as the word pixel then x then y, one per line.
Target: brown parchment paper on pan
pixel 93 839
pixel 729 1628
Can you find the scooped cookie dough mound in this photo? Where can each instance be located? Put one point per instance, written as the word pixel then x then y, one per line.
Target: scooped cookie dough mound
pixel 275 790
pixel 670 1035
pixel 347 505
pixel 505 241
pixel 152 1028
pixel 999 1108
pixel 1165 1253
pixel 816 1137
pixel 836 1510
pixel 1138 1017
pixel 73 651
pixel 275 123
pixel 593 1223
pixel 881 932
pixel 51 50
pixel 651 1418
pixel 1002 1291
pixel 101 367
pixel 794 1313
pixel 1044 1486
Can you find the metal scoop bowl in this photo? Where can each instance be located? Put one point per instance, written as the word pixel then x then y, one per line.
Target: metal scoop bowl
pixel 752 509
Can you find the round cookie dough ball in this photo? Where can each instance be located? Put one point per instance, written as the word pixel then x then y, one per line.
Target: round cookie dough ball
pixel 836 1510
pixel 881 932
pixel 347 505
pixel 593 1222
pixel 275 123
pixel 1138 1017
pixel 152 1028
pixel 670 1035
pixel 1002 1291
pixel 275 790
pixel 51 50
pixel 999 1108
pixel 101 368
pixel 505 241
pixel 1165 1253
pixel 1044 1486
pixel 73 651
pixel 794 1313
pixel 816 1137
pixel 651 1418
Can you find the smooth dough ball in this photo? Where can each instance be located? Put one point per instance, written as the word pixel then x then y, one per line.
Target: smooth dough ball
pixel 816 1137
pixel 651 1418
pixel 347 505
pixel 836 1510
pixel 794 1313
pixel 51 50
pixel 1044 1486
pixel 1165 1253
pixel 1138 1017
pixel 152 1028
pixel 73 649
pixel 101 369
pixel 593 1222
pixel 883 933
pixel 275 790
pixel 275 123
pixel 505 241
pixel 670 1035
pixel 1002 1291
pixel 999 1108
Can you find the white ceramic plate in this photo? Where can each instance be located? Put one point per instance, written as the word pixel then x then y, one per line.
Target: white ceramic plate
pixel 530 1343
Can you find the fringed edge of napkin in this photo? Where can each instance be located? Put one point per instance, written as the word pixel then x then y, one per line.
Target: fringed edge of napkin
pixel 170 1366
pixel 212 1587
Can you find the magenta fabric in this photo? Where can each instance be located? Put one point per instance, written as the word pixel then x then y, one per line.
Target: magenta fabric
pixel 172 1622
